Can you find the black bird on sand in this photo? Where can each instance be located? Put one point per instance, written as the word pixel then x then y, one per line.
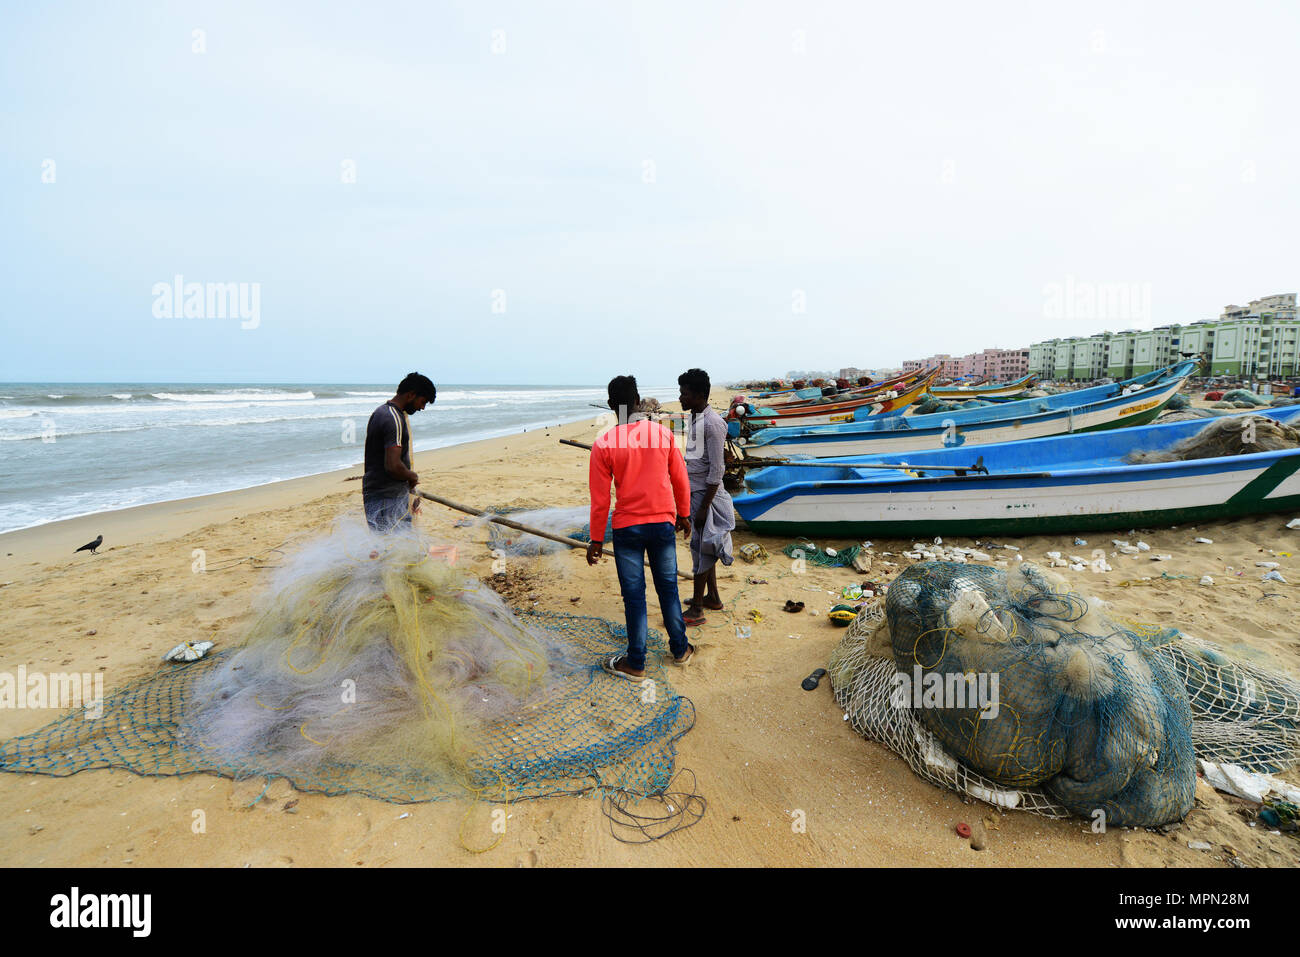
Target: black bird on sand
pixel 92 546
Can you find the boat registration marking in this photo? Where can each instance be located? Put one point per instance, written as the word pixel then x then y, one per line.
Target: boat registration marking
pixel 1140 407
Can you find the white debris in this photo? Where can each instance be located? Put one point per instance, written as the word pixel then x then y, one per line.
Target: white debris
pixel 188 651
pixel 938 540
pixel 1053 554
pixel 1079 542
pixel 1076 560
pixel 981 556
pixel 831 552
pixel 1267 565
pixel 1273 576
pixel 1161 558
pixel 1143 547
pixel 1001 563
pixel 1198 846
pixel 1207 580
pixel 1203 541
pixel 1236 780
pixel 1117 543
pixel 1077 566
pixel 1294 523
pixel 1129 549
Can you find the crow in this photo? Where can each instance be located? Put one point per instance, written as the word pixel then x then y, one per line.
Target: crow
pixel 92 546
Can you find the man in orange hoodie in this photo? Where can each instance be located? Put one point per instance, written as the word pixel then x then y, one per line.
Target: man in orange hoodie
pixel 649 475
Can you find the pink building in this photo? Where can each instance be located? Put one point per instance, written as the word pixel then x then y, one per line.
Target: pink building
pixel 994 364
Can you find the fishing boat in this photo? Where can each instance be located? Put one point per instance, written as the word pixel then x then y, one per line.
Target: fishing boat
pixel 886 401
pixel 1069 483
pixel 1135 401
pixel 997 390
pixel 816 395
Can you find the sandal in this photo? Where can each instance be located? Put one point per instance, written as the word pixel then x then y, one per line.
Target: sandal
pixel 685 659
pixel 611 667
pixel 692 620
pixel 793 606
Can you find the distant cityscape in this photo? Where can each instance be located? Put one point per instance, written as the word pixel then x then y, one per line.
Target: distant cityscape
pixel 1260 339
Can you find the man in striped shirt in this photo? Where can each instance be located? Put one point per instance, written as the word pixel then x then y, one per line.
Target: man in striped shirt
pixel 388 478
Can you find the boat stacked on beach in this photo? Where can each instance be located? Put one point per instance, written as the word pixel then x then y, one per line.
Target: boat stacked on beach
pixel 1075 461
pixel 1134 401
pixel 890 397
pixel 1061 484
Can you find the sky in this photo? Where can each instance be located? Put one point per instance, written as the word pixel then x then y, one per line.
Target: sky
pixel 553 192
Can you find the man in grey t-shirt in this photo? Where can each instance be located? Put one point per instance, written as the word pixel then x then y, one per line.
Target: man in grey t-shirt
pixel 388 478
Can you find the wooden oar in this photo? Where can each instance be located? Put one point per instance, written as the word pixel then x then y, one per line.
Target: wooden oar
pixel 978 467
pixel 518 526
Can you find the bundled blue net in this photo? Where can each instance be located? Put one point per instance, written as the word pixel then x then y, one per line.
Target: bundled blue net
pixel 1014 689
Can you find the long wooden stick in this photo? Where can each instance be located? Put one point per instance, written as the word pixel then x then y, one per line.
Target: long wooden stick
pixel 518 526
pixel 827 463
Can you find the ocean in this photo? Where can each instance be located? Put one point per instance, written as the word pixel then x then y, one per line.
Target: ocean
pixel 69 450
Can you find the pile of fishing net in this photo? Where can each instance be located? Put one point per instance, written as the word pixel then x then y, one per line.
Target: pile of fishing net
pixel 1234 435
pixel 824 557
pixel 1088 713
pixel 1245 395
pixel 374 668
pixel 572 523
pixel 1177 402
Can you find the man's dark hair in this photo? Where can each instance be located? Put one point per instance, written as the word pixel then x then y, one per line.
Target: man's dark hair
pixel 421 385
pixel 697 380
pixel 623 392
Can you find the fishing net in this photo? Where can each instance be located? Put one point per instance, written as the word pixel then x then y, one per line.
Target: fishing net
pixel 572 523
pixel 1237 435
pixel 1089 713
pixel 1244 395
pixel 810 553
pixel 394 676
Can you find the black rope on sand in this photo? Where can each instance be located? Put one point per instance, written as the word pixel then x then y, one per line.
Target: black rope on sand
pixel 677 811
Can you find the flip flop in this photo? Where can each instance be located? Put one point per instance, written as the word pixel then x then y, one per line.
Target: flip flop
pixel 609 668
pixel 693 620
pixel 687 658
pixel 810 683
pixel 793 606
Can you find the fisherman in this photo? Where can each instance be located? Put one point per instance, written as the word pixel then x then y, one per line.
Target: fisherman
pixel 388 478
pixel 712 517
pixel 653 496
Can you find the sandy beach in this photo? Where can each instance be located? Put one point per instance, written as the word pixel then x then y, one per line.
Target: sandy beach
pixel 761 749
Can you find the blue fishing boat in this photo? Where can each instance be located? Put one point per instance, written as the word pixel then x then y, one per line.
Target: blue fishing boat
pixel 1135 401
pixel 1067 483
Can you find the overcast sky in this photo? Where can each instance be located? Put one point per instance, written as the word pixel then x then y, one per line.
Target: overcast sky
pixel 558 192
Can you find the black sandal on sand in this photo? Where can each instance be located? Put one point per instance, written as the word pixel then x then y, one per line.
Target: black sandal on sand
pixel 793 606
pixel 810 683
pixel 611 667
pixel 685 659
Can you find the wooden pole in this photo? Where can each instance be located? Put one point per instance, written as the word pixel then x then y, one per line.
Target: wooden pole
pixel 519 526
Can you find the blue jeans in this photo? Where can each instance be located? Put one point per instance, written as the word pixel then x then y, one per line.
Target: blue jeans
pixel 631 544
